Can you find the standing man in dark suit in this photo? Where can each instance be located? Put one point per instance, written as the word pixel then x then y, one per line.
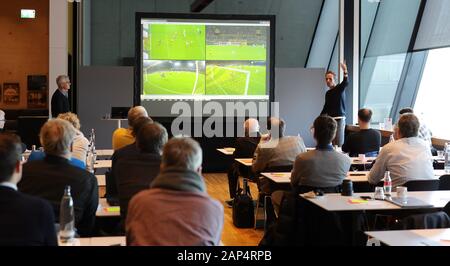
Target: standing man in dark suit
pixel 25 220
pixel 335 102
pixel 60 98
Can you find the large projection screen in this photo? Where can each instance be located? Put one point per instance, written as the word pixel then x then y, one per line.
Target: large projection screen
pixel 198 59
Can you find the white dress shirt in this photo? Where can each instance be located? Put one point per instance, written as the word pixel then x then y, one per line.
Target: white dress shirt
pixel 407 159
pixel 9 184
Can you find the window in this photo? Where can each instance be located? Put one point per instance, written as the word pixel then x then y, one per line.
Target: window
pixel 434 93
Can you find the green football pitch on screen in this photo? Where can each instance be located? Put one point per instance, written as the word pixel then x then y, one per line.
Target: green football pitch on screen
pixel 228 67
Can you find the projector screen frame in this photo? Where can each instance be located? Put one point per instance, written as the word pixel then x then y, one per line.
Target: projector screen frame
pixel 146 15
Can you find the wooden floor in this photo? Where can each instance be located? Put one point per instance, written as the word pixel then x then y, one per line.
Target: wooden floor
pixel 217 185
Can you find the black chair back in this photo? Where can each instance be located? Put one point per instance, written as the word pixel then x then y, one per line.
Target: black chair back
pixel 422 185
pixel 279 168
pixel 444 182
pixel 134 174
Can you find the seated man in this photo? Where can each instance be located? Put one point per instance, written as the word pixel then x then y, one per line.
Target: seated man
pixel 244 148
pixel 176 210
pixel 407 158
pixel 323 167
pixel 48 178
pixel 424 132
pixel 280 150
pixel 124 136
pixel 136 172
pixel 118 155
pixel 80 144
pixel 366 141
pixel 26 220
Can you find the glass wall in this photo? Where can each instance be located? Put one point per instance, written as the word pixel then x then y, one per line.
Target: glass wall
pixel 434 93
pixel 386 30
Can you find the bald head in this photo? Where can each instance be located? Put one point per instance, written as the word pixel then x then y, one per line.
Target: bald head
pixel 134 114
pixel 364 117
pixel 251 127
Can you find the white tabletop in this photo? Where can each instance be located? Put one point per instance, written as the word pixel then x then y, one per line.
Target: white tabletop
pixel 368 160
pixel 336 202
pixel 278 177
pixel 227 150
pixel 105 210
pixel 106 152
pixel 101 180
pixel 422 237
pixel 354 176
pixel 361 176
pixel 97 241
pixel 102 164
pixel 245 161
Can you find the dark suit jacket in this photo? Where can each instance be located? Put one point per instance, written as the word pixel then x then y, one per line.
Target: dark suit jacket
pixel 245 147
pixel 60 103
pixel 134 174
pixel 111 180
pixel 25 220
pixel 48 178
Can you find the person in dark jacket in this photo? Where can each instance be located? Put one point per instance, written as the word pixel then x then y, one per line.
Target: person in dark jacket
pixel 60 98
pixel 48 178
pixel 244 148
pixel 136 172
pixel 25 220
pixel 335 102
pixel 366 141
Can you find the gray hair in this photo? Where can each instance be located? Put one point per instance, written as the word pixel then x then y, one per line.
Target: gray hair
pixel 60 79
pixel 182 152
pixel 56 137
pixel 134 114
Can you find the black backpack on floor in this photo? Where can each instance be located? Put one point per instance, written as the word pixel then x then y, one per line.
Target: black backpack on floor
pixel 243 209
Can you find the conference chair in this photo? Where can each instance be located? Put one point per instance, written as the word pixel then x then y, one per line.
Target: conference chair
pixel 422 185
pixel 444 182
pixel 266 188
pixel 134 174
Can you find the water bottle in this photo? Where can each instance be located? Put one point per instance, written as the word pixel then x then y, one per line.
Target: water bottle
pixel 66 217
pixel 92 137
pixel 391 138
pixel 387 184
pixel 447 158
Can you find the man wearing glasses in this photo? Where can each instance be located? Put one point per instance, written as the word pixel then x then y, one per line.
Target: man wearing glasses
pixel 60 100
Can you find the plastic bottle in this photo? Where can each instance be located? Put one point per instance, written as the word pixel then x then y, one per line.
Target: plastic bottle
pixel 447 158
pixel 66 217
pixel 387 184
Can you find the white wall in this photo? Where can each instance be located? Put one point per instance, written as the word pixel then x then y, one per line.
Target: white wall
pixel 57 43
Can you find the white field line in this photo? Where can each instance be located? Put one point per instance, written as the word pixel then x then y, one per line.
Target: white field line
pixel 196 77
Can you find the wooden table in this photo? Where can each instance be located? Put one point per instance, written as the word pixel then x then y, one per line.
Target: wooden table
pixel 227 151
pixel 105 152
pixel 102 164
pixel 101 180
pixel 97 241
pixel 422 237
pixel 245 161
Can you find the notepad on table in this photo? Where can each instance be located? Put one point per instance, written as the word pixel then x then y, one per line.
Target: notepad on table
pixel 112 209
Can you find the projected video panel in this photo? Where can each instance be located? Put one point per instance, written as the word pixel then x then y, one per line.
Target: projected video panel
pixel 214 59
